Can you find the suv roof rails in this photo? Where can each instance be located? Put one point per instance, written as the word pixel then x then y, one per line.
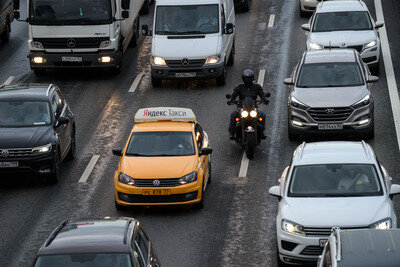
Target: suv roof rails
pixel 55 232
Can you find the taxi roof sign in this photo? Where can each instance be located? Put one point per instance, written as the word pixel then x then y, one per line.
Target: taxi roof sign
pixel 165 114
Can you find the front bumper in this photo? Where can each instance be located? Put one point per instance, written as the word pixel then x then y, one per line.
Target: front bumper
pixel 371 55
pixel 89 60
pixel 203 72
pixel 39 165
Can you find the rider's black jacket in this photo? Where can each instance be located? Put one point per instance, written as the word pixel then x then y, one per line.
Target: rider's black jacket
pixel 244 91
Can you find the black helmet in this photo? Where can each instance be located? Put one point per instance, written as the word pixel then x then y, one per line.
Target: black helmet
pixel 248 77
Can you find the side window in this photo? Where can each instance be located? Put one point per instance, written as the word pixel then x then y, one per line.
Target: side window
pixel 142 242
pixel 223 21
pixel 57 104
pixel 199 136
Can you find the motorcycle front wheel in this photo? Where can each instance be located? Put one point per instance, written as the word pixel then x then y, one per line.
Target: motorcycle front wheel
pixel 250 145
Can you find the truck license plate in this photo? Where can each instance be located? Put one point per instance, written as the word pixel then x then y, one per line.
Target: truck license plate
pixel 185 74
pixel 7 164
pixel 330 126
pixel 71 59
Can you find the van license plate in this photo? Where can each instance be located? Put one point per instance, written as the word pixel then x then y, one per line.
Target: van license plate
pixel 322 242
pixel 6 164
pixel 330 126
pixel 71 59
pixel 185 74
pixel 156 192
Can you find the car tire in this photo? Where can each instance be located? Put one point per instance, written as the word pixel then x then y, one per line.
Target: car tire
pixel 375 69
pixel 291 135
pixel 72 149
pixel 39 71
pixel 55 176
pixel 231 59
pixel 221 80
pixel 119 207
pixel 370 134
pixel 200 205
pixel 145 8
pixel 156 82
pixel 5 36
pixel 209 173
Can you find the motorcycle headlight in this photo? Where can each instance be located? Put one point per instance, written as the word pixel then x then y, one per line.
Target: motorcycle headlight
pixel 104 44
pixel 382 224
pixel 159 61
pixel 253 113
pixel 292 228
pixel 371 44
pixel 244 113
pixel 188 178
pixel 37 45
pixel 125 179
pixel 297 104
pixel 41 149
pixel 213 59
pixel 316 46
pixel 363 102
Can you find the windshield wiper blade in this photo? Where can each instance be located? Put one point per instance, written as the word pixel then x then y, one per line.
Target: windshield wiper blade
pixel 193 32
pixel 137 155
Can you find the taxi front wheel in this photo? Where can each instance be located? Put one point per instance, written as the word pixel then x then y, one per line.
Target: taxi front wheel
pixel 200 205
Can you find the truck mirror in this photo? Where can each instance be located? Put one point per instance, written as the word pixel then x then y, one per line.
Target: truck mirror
pixel 16 14
pixel 229 28
pixel 145 30
pixel 125 4
pixel 125 14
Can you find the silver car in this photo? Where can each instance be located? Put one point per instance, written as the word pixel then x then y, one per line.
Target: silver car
pixel 307 7
pixel 330 94
pixel 345 24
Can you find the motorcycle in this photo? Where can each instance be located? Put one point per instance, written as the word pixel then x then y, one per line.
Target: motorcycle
pixel 248 124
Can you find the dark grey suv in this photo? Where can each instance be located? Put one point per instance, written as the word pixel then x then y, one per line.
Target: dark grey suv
pixel 330 94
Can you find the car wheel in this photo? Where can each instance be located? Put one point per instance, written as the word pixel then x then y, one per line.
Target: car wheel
pixel 119 207
pixel 5 36
pixel 55 176
pixel 39 72
pixel 209 173
pixel 370 134
pixel 156 82
pixel 291 135
pixel 145 8
pixel 231 59
pixel 200 205
pixel 71 152
pixel 375 69
pixel 221 80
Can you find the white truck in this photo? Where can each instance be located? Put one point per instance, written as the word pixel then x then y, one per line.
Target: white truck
pixel 81 33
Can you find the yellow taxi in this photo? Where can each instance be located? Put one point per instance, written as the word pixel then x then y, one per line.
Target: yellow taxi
pixel 166 160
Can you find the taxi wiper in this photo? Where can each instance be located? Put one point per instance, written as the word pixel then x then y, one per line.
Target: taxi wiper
pixel 137 155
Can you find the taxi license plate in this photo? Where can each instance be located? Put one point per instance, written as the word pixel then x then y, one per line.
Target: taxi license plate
pixel 330 126
pixel 6 164
pixel 185 74
pixel 71 59
pixel 156 192
pixel 322 242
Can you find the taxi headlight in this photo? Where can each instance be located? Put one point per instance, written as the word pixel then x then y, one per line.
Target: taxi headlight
pixel 253 113
pixel 382 224
pixel 292 228
pixel 244 113
pixel 159 61
pixel 315 46
pixel 363 102
pixel 371 44
pixel 125 179
pixel 41 149
pixel 213 59
pixel 188 178
pixel 37 45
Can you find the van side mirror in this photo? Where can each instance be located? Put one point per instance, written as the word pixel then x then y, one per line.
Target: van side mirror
pixel 16 14
pixel 379 24
pixel 275 191
pixel 372 79
pixel 229 28
pixel 145 30
pixel 117 151
pixel 125 4
pixel 205 151
pixel 306 27
pixel 125 14
pixel 288 81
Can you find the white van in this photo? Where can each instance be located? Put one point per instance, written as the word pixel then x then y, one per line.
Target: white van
pixel 191 39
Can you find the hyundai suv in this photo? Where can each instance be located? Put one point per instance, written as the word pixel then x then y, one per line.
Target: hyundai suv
pixel 345 24
pixel 330 94
pixel 329 185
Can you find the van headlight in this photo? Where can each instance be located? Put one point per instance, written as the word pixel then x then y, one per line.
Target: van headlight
pixel 382 224
pixel 105 44
pixel 292 228
pixel 253 113
pixel 213 59
pixel 244 113
pixel 363 102
pixel 125 179
pixel 371 44
pixel 159 61
pixel 37 45
pixel 188 178
pixel 41 149
pixel 315 46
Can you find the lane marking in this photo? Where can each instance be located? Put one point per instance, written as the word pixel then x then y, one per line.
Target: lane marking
pixel 9 80
pixel 271 21
pixel 244 165
pixel 89 169
pixel 136 82
pixel 390 75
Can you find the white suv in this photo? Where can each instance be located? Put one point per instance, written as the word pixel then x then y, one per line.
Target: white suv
pixel 329 185
pixel 341 24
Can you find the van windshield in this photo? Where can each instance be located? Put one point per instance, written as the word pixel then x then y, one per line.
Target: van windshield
pixel 187 19
pixel 71 12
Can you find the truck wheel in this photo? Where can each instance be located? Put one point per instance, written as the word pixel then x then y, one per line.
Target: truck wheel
pixel 156 82
pixel 221 80
pixel 135 35
pixel 39 71
pixel 231 59
pixel 5 36
pixel 145 8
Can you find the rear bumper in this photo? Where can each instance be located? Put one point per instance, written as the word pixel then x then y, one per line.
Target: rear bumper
pixel 204 72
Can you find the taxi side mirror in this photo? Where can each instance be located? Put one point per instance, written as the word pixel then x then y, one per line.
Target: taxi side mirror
pixel 205 151
pixel 117 151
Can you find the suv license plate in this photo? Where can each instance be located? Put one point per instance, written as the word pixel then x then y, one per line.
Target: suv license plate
pixel 6 164
pixel 185 74
pixel 156 192
pixel 330 126
pixel 71 59
pixel 322 242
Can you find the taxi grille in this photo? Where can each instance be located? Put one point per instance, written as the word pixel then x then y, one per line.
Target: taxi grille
pixel 330 114
pixel 15 152
pixel 312 251
pixel 163 182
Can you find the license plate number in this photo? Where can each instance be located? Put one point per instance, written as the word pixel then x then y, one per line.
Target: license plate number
pixel 156 192
pixel 330 126
pixel 71 59
pixel 322 242
pixel 185 74
pixel 13 164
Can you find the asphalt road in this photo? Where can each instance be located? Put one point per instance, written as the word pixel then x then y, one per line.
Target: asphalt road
pixel 237 225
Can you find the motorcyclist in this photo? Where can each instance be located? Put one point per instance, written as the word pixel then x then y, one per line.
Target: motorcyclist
pixel 247 89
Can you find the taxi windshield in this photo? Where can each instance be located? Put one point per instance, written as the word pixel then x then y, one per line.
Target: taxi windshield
pixel 156 144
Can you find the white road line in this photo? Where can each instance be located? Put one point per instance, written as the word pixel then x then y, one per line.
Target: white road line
pixel 271 21
pixel 136 82
pixel 89 169
pixel 390 75
pixel 244 165
pixel 9 80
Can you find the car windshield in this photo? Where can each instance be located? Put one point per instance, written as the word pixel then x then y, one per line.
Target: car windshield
pixel 24 114
pixel 342 21
pixel 335 180
pixel 329 75
pixel 187 19
pixel 71 12
pixel 85 260
pixel 153 144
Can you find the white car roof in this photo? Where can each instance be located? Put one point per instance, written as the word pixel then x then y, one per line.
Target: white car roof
pixel 186 2
pixel 337 6
pixel 329 55
pixel 331 152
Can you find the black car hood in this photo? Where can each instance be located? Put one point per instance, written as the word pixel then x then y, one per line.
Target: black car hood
pixel 25 137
